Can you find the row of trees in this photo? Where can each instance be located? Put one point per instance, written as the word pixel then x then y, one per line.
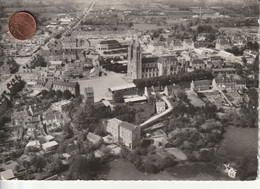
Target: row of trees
pixel 240 51
pixel 178 78
pixel 58 94
pixel 119 68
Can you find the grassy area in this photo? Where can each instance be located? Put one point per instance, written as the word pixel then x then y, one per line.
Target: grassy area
pixel 239 142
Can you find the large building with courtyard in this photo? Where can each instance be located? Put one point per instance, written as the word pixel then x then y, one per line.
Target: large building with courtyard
pixel 141 66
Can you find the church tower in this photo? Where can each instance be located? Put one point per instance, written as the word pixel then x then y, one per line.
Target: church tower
pixel 134 65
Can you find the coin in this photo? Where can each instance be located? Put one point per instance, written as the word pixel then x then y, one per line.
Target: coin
pixel 22 25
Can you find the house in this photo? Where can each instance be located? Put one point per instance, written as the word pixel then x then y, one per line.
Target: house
pixel 160 107
pixel 7 175
pixel 73 87
pixel 123 132
pixel 57 64
pixel 222 44
pixel 95 71
pixel 201 37
pixel 136 99
pixel 225 82
pixel 89 94
pixel 65 21
pixel 108 45
pixel 123 88
pixel 129 134
pixel 197 64
pixel 175 44
pixel 60 106
pixel 93 138
pixel 49 146
pixel 34 144
pixel 250 53
pixel 53 120
pixel 48 138
pixel 188 43
pixel 113 128
pixel 201 85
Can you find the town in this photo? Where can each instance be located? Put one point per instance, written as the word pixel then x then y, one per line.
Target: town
pixel 153 86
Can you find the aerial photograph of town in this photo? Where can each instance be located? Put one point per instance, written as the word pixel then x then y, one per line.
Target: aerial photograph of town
pixel 130 90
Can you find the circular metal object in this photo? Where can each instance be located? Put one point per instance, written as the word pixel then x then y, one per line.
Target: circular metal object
pixel 22 25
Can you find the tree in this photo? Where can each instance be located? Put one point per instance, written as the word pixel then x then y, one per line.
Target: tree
pixel 67 131
pixel 59 93
pixel 118 97
pixel 51 93
pixel 39 163
pixel 67 94
pixel 44 93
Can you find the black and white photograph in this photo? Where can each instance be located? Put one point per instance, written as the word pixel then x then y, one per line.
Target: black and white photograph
pixel 129 90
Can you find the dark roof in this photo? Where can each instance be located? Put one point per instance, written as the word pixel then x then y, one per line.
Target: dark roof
pixel 108 41
pixel 127 125
pixel 198 61
pixel 150 59
pixel 66 84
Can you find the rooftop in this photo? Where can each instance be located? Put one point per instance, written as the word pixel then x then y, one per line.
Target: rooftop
pixel 49 144
pixel 109 41
pixel 33 143
pixel 150 59
pixel 115 120
pixel 57 62
pixel 128 126
pixel 66 84
pixel 122 87
pixel 93 137
pixel 135 99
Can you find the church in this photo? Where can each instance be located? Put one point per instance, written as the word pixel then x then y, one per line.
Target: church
pixel 147 66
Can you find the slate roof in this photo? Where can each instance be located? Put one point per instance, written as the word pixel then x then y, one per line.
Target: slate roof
pixel 66 84
pixel 150 59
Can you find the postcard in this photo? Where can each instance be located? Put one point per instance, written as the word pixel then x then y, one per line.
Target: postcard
pixel 152 90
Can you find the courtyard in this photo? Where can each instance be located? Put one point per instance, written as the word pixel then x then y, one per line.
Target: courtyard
pixel 101 84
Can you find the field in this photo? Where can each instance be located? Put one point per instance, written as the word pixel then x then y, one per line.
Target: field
pixel 121 169
pixel 238 142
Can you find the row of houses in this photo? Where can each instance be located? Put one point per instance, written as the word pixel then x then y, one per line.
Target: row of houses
pixel 73 87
